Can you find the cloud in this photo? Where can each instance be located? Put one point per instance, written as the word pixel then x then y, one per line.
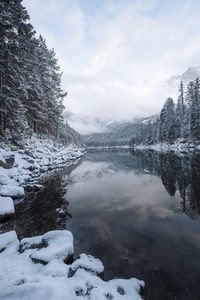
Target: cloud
pixel 116 54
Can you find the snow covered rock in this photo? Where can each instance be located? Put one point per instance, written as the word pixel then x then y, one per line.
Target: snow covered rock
pixel 32 163
pixel 7 160
pixel 56 244
pixel 5 179
pixel 22 279
pixel 92 287
pixel 11 191
pixel 6 208
pixel 88 263
pixel 8 242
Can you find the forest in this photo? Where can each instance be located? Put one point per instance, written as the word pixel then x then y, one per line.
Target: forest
pixel 178 121
pixel 31 98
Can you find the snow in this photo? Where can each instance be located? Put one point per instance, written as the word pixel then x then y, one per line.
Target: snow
pixel 21 278
pixel 6 207
pixel 32 163
pixel 109 147
pixel 36 159
pixel 88 262
pixel 12 191
pixel 58 244
pixel 8 241
pixel 4 178
pixel 180 146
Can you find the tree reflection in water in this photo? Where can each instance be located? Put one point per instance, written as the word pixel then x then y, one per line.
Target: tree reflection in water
pixel 180 173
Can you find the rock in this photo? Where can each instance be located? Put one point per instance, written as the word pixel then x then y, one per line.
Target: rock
pixel 33 188
pixel 56 244
pixel 29 153
pixel 88 263
pixel 6 208
pixel 23 279
pixel 13 148
pixel 11 191
pixel 7 162
pixel 10 161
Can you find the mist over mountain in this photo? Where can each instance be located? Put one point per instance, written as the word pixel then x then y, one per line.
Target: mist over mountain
pixel 117 133
pixel 189 75
pixel 99 131
pixel 87 124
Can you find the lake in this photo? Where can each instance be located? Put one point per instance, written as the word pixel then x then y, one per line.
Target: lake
pixel 137 211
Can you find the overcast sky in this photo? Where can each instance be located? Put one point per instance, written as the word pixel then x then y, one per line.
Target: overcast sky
pixel 116 54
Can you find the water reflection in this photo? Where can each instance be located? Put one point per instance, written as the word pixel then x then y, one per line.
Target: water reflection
pixel 138 212
pixel 46 210
pixel 176 172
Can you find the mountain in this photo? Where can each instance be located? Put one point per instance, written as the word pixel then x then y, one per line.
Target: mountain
pixel 86 124
pixel 97 132
pixel 189 75
pixel 117 134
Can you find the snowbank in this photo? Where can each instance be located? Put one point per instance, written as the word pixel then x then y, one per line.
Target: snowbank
pixel 22 168
pixel 21 278
pixel 180 146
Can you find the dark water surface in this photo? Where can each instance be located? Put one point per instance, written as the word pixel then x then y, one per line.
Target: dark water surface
pixel 138 212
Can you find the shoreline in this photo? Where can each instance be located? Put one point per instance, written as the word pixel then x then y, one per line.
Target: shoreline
pixel 176 147
pixel 35 267
pixel 22 168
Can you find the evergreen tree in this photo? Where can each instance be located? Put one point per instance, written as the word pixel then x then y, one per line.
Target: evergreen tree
pixel 176 121
pixel 181 99
pixel 195 112
pixel 31 97
pixel 167 121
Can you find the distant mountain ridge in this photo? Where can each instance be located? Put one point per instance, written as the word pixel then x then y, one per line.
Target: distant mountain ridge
pixel 189 75
pixel 87 124
pixel 118 133
pixel 97 131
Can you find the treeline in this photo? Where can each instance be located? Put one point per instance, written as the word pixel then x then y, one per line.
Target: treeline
pixel 31 97
pixel 179 120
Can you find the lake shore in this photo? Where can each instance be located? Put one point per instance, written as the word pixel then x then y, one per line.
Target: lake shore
pixel 36 266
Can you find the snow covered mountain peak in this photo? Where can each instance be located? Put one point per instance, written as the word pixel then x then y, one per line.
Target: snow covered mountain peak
pixel 191 73
pixel 87 124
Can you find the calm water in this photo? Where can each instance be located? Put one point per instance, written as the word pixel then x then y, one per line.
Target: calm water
pixel 138 212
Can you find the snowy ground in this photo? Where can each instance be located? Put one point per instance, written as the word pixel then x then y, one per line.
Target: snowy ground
pixel 109 147
pixel 180 146
pixel 22 168
pixel 41 268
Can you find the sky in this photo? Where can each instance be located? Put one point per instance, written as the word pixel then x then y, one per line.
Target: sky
pixel 117 54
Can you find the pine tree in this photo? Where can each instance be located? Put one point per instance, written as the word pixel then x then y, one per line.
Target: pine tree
pixel 31 97
pixel 181 99
pixel 195 112
pixel 167 121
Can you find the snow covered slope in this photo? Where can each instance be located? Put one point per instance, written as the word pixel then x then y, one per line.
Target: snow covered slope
pixel 29 164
